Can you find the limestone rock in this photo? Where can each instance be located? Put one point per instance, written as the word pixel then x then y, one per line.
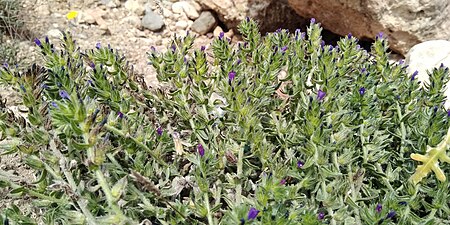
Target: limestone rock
pixel 152 21
pixel 187 8
pixel 271 14
pixel 425 56
pixel 135 7
pixel 204 23
pixel 406 23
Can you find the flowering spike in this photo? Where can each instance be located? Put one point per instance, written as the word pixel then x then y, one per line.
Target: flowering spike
pixel 379 35
pixel 414 75
pixel 231 76
pixel 391 214
pixel 201 150
pixel 320 216
pixel 300 164
pixel 38 42
pixel 64 94
pixel 252 213
pixel 159 131
pixel 379 207
pixel 321 94
pixel 313 20
pixel 98 45
pixel 362 91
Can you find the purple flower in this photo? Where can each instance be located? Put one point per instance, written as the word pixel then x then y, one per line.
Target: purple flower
pixel 38 42
pixel 238 61
pixel 54 104
pixel 380 35
pixel 91 64
pixel 248 19
pixel 379 207
pixel 401 61
pixel 46 40
pixel 231 76
pixel 173 47
pixel 321 215
pixel 64 94
pixel 221 35
pixel 313 20
pixel 202 48
pixel 252 213
pixel 98 46
pixel 363 70
pixel 278 30
pixel 201 150
pixel 321 94
pixel 44 86
pixel 283 181
pixel 322 43
pixel 159 131
pixel 349 35
pixel 391 214
pixel 414 75
pixel 120 114
pixel 5 65
pixel 362 91
pixel 300 164
pixel 152 48
pixel 283 49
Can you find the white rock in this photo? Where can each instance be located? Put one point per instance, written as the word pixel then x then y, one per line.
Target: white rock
pixel 134 7
pixel 86 18
pixel 181 24
pixel 177 7
pixel 54 33
pixel 187 8
pixel 425 56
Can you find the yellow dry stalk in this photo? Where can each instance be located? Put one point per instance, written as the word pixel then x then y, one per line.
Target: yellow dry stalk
pixel 431 161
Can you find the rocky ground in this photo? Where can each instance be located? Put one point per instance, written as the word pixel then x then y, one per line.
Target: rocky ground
pixel 131 26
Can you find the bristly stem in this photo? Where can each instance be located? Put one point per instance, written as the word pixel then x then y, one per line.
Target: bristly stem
pixel 138 143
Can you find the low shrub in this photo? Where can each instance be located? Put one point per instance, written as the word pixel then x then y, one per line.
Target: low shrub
pixel 280 129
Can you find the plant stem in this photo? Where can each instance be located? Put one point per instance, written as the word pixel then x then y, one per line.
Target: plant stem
pixel 402 129
pixel 105 187
pixel 354 194
pixel 138 143
pixel 239 175
pixel 208 208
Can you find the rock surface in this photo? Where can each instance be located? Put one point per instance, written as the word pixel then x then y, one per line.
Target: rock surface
pixel 405 22
pixel 152 21
pixel 425 56
pixel 271 14
pixel 205 23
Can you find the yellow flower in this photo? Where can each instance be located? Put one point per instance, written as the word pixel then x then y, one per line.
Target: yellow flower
pixel 71 15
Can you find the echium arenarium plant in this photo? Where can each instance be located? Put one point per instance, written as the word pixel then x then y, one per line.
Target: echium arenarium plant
pixel 280 129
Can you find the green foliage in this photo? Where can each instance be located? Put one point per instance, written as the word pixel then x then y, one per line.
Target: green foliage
pixel 8 51
pixel 280 129
pixel 10 20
